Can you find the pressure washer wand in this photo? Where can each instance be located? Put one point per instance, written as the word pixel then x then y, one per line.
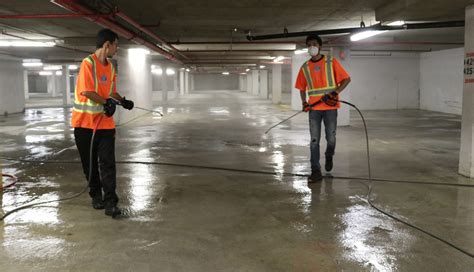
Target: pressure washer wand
pixel 281 122
pixel 140 108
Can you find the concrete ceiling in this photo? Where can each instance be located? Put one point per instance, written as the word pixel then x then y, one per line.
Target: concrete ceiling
pixel 214 32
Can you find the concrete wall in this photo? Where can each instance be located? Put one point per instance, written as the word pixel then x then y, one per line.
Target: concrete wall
pixel 11 86
pixel 216 82
pixel 385 82
pixel 441 80
pixel 37 84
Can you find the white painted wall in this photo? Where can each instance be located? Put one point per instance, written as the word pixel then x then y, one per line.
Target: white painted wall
pixel 385 82
pixel 11 88
pixel 205 82
pixel 441 80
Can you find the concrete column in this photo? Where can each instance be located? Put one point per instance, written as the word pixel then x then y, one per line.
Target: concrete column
pixel 276 83
pixel 186 82
pixel 67 89
pixel 264 84
pixel 181 82
pixel 241 83
pixel 296 62
pixel 25 84
pixel 255 79
pixel 466 160
pixel 164 87
pixel 51 85
pixel 343 115
pixel 191 83
pixel 249 83
pixel 176 83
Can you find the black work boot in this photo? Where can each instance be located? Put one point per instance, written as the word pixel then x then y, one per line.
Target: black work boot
pixel 328 165
pixel 113 210
pixel 315 176
pixel 97 203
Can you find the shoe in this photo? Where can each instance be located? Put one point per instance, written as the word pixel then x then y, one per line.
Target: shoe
pixel 315 176
pixel 98 203
pixel 328 165
pixel 113 211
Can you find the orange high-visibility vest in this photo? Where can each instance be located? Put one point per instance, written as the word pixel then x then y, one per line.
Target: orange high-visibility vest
pixel 94 77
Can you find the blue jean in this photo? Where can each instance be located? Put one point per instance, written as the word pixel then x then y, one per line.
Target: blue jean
pixel 329 117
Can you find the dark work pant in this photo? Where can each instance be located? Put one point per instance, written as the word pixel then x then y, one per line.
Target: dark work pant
pixel 103 162
pixel 329 117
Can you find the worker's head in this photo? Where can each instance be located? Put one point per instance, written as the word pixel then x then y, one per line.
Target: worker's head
pixel 108 41
pixel 314 44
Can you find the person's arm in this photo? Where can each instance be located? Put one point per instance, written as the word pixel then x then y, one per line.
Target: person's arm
pixel 343 85
pixel 117 96
pixel 94 97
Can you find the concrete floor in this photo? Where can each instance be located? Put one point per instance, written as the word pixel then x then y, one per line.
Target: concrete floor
pixel 198 219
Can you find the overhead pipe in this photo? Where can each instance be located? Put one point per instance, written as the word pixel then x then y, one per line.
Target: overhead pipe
pixel 75 7
pixel 53 16
pixel 357 29
pixel 135 24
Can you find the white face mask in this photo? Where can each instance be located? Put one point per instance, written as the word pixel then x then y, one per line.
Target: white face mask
pixel 313 50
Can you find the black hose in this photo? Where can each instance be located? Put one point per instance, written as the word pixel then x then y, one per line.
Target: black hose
pixel 68 197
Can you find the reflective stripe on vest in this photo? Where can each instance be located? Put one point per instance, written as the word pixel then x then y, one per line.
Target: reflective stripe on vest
pixel 330 87
pixel 91 106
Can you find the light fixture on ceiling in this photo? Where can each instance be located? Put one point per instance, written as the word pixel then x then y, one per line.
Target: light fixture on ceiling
pixel 59 73
pixel 225 73
pixel 365 34
pixel 157 71
pixel 26 44
pixel 45 73
pixel 396 23
pixel 262 66
pixel 188 70
pixel 52 67
pixel 170 71
pixel 246 70
pixel 278 59
pixel 73 67
pixel 32 63
pixel 301 51
pixel 243 73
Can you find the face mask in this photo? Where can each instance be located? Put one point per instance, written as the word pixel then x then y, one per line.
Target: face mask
pixel 313 51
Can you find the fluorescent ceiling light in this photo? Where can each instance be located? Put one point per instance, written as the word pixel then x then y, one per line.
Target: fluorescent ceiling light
pixel 170 71
pixel 301 51
pixel 157 71
pixel 32 64
pixel 396 23
pixel 278 59
pixel 26 44
pixel 187 70
pixel 52 67
pixel 246 70
pixel 365 34
pixel 225 73
pixel 73 67
pixel 262 66
pixel 45 73
pixel 59 73
pixel 243 73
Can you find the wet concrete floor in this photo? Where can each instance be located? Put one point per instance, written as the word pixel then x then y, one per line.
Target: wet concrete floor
pixel 208 218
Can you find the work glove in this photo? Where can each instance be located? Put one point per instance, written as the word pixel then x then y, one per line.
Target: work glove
pixel 109 107
pixel 330 99
pixel 306 107
pixel 127 104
